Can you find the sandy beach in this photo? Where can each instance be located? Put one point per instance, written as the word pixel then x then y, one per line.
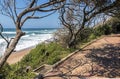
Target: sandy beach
pixel 17 56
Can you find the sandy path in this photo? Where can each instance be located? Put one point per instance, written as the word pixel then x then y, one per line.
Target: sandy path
pixel 17 56
pixel 101 58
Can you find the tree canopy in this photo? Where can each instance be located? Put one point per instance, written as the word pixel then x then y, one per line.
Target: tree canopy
pixel 77 14
pixel 20 14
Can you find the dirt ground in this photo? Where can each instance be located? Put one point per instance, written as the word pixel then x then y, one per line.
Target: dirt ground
pixel 101 59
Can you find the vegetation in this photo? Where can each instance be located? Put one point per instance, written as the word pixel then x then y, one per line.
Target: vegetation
pixel 75 20
pixel 76 15
pixel 30 10
pixel 86 35
pixel 42 54
pixel 103 30
pixel 49 53
pixel 15 72
pixel 45 54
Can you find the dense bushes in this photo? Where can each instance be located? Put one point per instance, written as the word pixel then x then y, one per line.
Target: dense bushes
pixel 63 36
pixel 89 34
pixel 51 53
pixel 16 71
pixel 103 30
pixel 86 35
pixel 42 54
pixel 100 30
pixel 4 71
pixel 45 54
pixel 115 24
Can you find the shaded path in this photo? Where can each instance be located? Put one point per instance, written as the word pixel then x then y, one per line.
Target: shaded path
pixel 101 58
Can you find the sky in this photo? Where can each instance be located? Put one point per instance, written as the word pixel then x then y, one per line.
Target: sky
pixel 51 21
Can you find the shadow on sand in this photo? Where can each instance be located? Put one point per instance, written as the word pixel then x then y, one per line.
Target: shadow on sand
pixel 106 63
pixel 107 60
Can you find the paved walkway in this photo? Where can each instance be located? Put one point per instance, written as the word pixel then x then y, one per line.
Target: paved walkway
pixel 100 59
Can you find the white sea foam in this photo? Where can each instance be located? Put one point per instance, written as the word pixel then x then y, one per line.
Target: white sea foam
pixel 26 36
pixel 9 32
pixel 32 38
pixel 32 41
pixel 1 40
pixel 33 34
pixel 2 46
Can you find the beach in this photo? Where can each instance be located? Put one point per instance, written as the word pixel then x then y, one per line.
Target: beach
pixel 33 37
pixel 18 55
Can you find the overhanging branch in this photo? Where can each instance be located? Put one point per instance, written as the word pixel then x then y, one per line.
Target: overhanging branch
pixel 35 17
pixel 7 41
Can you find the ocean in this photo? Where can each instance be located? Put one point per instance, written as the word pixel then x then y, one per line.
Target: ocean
pixel 33 37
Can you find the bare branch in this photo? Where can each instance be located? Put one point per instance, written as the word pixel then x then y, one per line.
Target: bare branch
pixel 35 17
pixel 7 41
pixel 10 8
pixel 32 3
pixel 102 10
pixel 80 14
pixel 15 9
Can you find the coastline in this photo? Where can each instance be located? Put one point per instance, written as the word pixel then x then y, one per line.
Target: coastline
pixel 32 38
pixel 18 55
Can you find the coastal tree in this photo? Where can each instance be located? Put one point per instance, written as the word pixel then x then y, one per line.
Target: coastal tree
pixel 78 14
pixel 20 14
pixel 114 12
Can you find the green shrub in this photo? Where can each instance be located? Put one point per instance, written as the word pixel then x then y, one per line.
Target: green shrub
pixel 92 36
pixel 45 54
pixel 16 71
pixel 103 30
pixel 5 70
pixel 49 54
pixel 42 54
pixel 89 34
pixel 84 34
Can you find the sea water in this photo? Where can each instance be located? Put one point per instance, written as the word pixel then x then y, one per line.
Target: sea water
pixel 32 37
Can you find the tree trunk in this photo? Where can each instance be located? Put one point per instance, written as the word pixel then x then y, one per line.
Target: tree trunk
pixel 11 48
pixel 72 42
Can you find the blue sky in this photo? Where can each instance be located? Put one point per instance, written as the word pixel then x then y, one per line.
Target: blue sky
pixel 51 21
